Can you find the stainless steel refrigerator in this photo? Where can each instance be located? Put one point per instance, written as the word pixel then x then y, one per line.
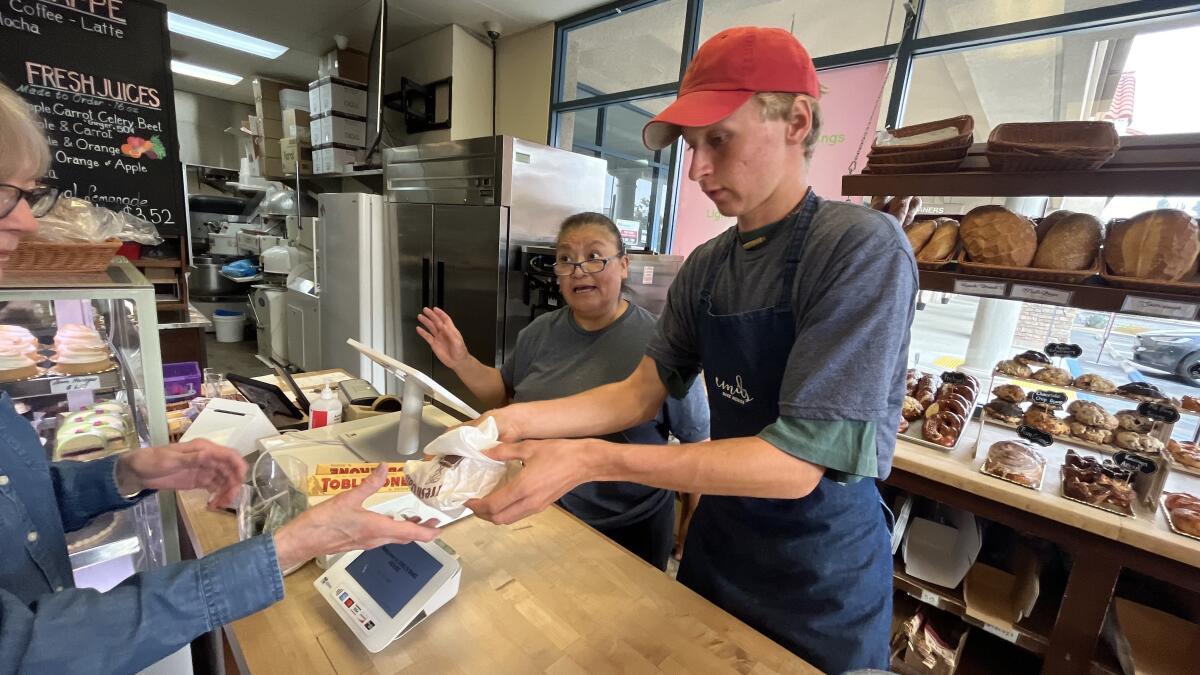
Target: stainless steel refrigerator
pixel 461 211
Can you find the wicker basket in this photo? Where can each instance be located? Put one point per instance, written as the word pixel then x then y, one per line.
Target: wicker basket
pixel 934 265
pixel 57 257
pixel 1033 273
pixel 914 167
pixel 1052 146
pixel 1189 286
pixel 966 130
pixel 935 155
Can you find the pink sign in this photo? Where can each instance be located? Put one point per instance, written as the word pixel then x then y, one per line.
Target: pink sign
pixel 848 109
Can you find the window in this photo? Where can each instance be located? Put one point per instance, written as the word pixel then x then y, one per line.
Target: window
pixel 950 16
pixel 635 195
pixel 631 49
pixel 1130 75
pixel 826 27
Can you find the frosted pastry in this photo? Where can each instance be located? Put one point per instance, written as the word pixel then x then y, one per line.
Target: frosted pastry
pixel 17 363
pixel 80 350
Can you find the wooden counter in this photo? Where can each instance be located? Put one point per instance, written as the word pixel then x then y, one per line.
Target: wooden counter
pixel 548 594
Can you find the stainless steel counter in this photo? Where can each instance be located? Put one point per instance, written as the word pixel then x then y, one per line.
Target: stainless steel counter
pixel 195 320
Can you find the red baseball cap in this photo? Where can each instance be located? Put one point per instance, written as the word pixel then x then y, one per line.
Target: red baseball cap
pixel 728 69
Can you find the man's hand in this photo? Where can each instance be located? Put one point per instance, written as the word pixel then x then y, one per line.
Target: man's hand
pixel 507 422
pixel 342 524
pixel 184 466
pixel 552 469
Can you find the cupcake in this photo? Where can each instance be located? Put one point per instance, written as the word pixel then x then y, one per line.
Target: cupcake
pixel 80 350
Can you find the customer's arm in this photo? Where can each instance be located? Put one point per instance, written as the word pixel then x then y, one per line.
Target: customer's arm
pixel 485 382
pixel 152 614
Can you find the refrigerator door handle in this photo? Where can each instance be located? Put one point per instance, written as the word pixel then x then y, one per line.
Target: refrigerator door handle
pixel 441 285
pixel 424 282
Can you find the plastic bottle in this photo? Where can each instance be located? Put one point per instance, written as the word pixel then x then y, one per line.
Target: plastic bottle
pixel 325 410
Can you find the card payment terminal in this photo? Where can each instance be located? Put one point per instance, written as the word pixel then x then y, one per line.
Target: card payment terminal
pixel 383 593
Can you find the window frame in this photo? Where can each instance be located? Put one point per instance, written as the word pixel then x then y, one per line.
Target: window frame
pixel 905 51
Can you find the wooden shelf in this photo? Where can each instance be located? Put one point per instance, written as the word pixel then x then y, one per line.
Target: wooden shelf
pixel 1092 295
pixel 1031 634
pixel 1099 183
pixel 148 262
pixel 168 305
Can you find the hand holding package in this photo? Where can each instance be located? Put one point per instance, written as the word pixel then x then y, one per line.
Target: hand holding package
pixel 459 471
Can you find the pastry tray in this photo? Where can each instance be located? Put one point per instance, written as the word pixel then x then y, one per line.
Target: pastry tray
pixel 1109 509
pixel 1038 487
pixel 913 434
pixel 42 385
pixel 1065 438
pixel 1171 523
pixel 1067 387
pixel 1181 468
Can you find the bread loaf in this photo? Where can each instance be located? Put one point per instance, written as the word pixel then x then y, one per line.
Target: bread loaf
pixel 942 243
pixel 1047 222
pixel 1160 244
pixel 993 235
pixel 1071 244
pixel 919 233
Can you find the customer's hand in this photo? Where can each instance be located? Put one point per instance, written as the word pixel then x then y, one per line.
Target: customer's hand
pixel 342 524
pixel 552 469
pixel 184 466
pixel 437 328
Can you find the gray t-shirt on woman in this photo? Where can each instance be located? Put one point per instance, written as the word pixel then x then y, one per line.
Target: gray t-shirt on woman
pixel 555 357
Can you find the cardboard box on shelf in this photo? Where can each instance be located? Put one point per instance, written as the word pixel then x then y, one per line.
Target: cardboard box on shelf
pixel 333 158
pixel 295 117
pixel 270 128
pixel 306 168
pixel 268 166
pixel 337 95
pixel 335 129
pixel 1001 599
pixel 267 109
pixel 347 64
pixel 303 134
pixel 942 554
pixel 1158 643
pixel 266 89
pixel 928 642
pixel 292 149
pixel 267 147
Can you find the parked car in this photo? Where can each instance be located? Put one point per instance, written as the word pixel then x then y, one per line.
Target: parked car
pixel 1175 351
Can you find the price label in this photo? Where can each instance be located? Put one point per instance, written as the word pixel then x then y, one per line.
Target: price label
pixel 1035 436
pixel 997 289
pixel 1159 411
pixel 954 377
pixel 1135 463
pixel 1050 296
pixel 930 598
pixel 648 275
pixel 1009 634
pixel 69 384
pixel 1068 350
pixel 1048 397
pixel 1164 308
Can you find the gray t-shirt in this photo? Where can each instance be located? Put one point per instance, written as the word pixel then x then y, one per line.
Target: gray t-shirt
pixel 853 300
pixel 555 357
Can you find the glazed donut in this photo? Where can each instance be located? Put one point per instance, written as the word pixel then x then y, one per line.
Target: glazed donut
pixel 943 428
pixel 960 390
pixel 954 405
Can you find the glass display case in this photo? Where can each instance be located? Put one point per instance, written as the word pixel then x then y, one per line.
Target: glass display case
pixel 95 388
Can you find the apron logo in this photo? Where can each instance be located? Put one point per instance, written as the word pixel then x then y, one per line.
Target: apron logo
pixel 734 392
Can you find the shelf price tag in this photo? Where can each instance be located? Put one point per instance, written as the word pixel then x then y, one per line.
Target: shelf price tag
pixel 1055 398
pixel 954 377
pixel 1035 435
pixel 1068 350
pixel 997 289
pixel 1159 411
pixel 1164 308
pixel 1009 634
pixel 68 384
pixel 930 598
pixel 1052 296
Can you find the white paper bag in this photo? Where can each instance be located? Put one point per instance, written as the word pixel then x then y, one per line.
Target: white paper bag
pixel 459 470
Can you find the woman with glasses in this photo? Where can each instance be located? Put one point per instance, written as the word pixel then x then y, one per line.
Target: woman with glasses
pixel 47 625
pixel 598 338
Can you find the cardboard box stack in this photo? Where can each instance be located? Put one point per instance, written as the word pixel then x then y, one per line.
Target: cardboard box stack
pixel 337 103
pixel 296 145
pixel 267 127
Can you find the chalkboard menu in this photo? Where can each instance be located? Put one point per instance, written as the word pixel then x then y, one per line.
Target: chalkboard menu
pixel 98 73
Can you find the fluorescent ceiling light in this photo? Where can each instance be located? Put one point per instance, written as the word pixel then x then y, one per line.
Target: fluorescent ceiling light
pixel 192 70
pixel 223 36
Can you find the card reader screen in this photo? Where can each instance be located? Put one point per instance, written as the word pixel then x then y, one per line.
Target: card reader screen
pixel 393 574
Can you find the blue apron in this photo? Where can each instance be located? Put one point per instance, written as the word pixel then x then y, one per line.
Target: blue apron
pixel 813 574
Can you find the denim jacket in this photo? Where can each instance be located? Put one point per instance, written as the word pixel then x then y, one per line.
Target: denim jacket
pixel 49 626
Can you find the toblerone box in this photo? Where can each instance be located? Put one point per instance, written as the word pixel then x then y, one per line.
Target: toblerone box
pixel 362 467
pixel 322 485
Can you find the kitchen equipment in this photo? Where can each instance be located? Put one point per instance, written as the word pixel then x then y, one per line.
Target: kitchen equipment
pixel 356 253
pixel 460 212
pixel 269 305
pixel 303 329
pixel 205 279
pixel 277 260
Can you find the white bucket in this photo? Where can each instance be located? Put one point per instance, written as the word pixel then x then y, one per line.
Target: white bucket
pixel 230 328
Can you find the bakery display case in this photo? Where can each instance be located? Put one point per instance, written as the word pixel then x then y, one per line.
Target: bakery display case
pixel 80 360
pixel 1076 455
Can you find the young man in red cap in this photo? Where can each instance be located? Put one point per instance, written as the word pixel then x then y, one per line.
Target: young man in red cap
pixel 799 320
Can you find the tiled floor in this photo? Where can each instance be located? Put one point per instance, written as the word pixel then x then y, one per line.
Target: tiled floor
pixel 235 357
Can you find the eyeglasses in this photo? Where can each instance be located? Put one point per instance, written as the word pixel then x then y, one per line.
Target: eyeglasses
pixel 41 199
pixel 566 268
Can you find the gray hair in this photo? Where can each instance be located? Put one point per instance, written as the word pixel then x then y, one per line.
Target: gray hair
pixel 24 154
